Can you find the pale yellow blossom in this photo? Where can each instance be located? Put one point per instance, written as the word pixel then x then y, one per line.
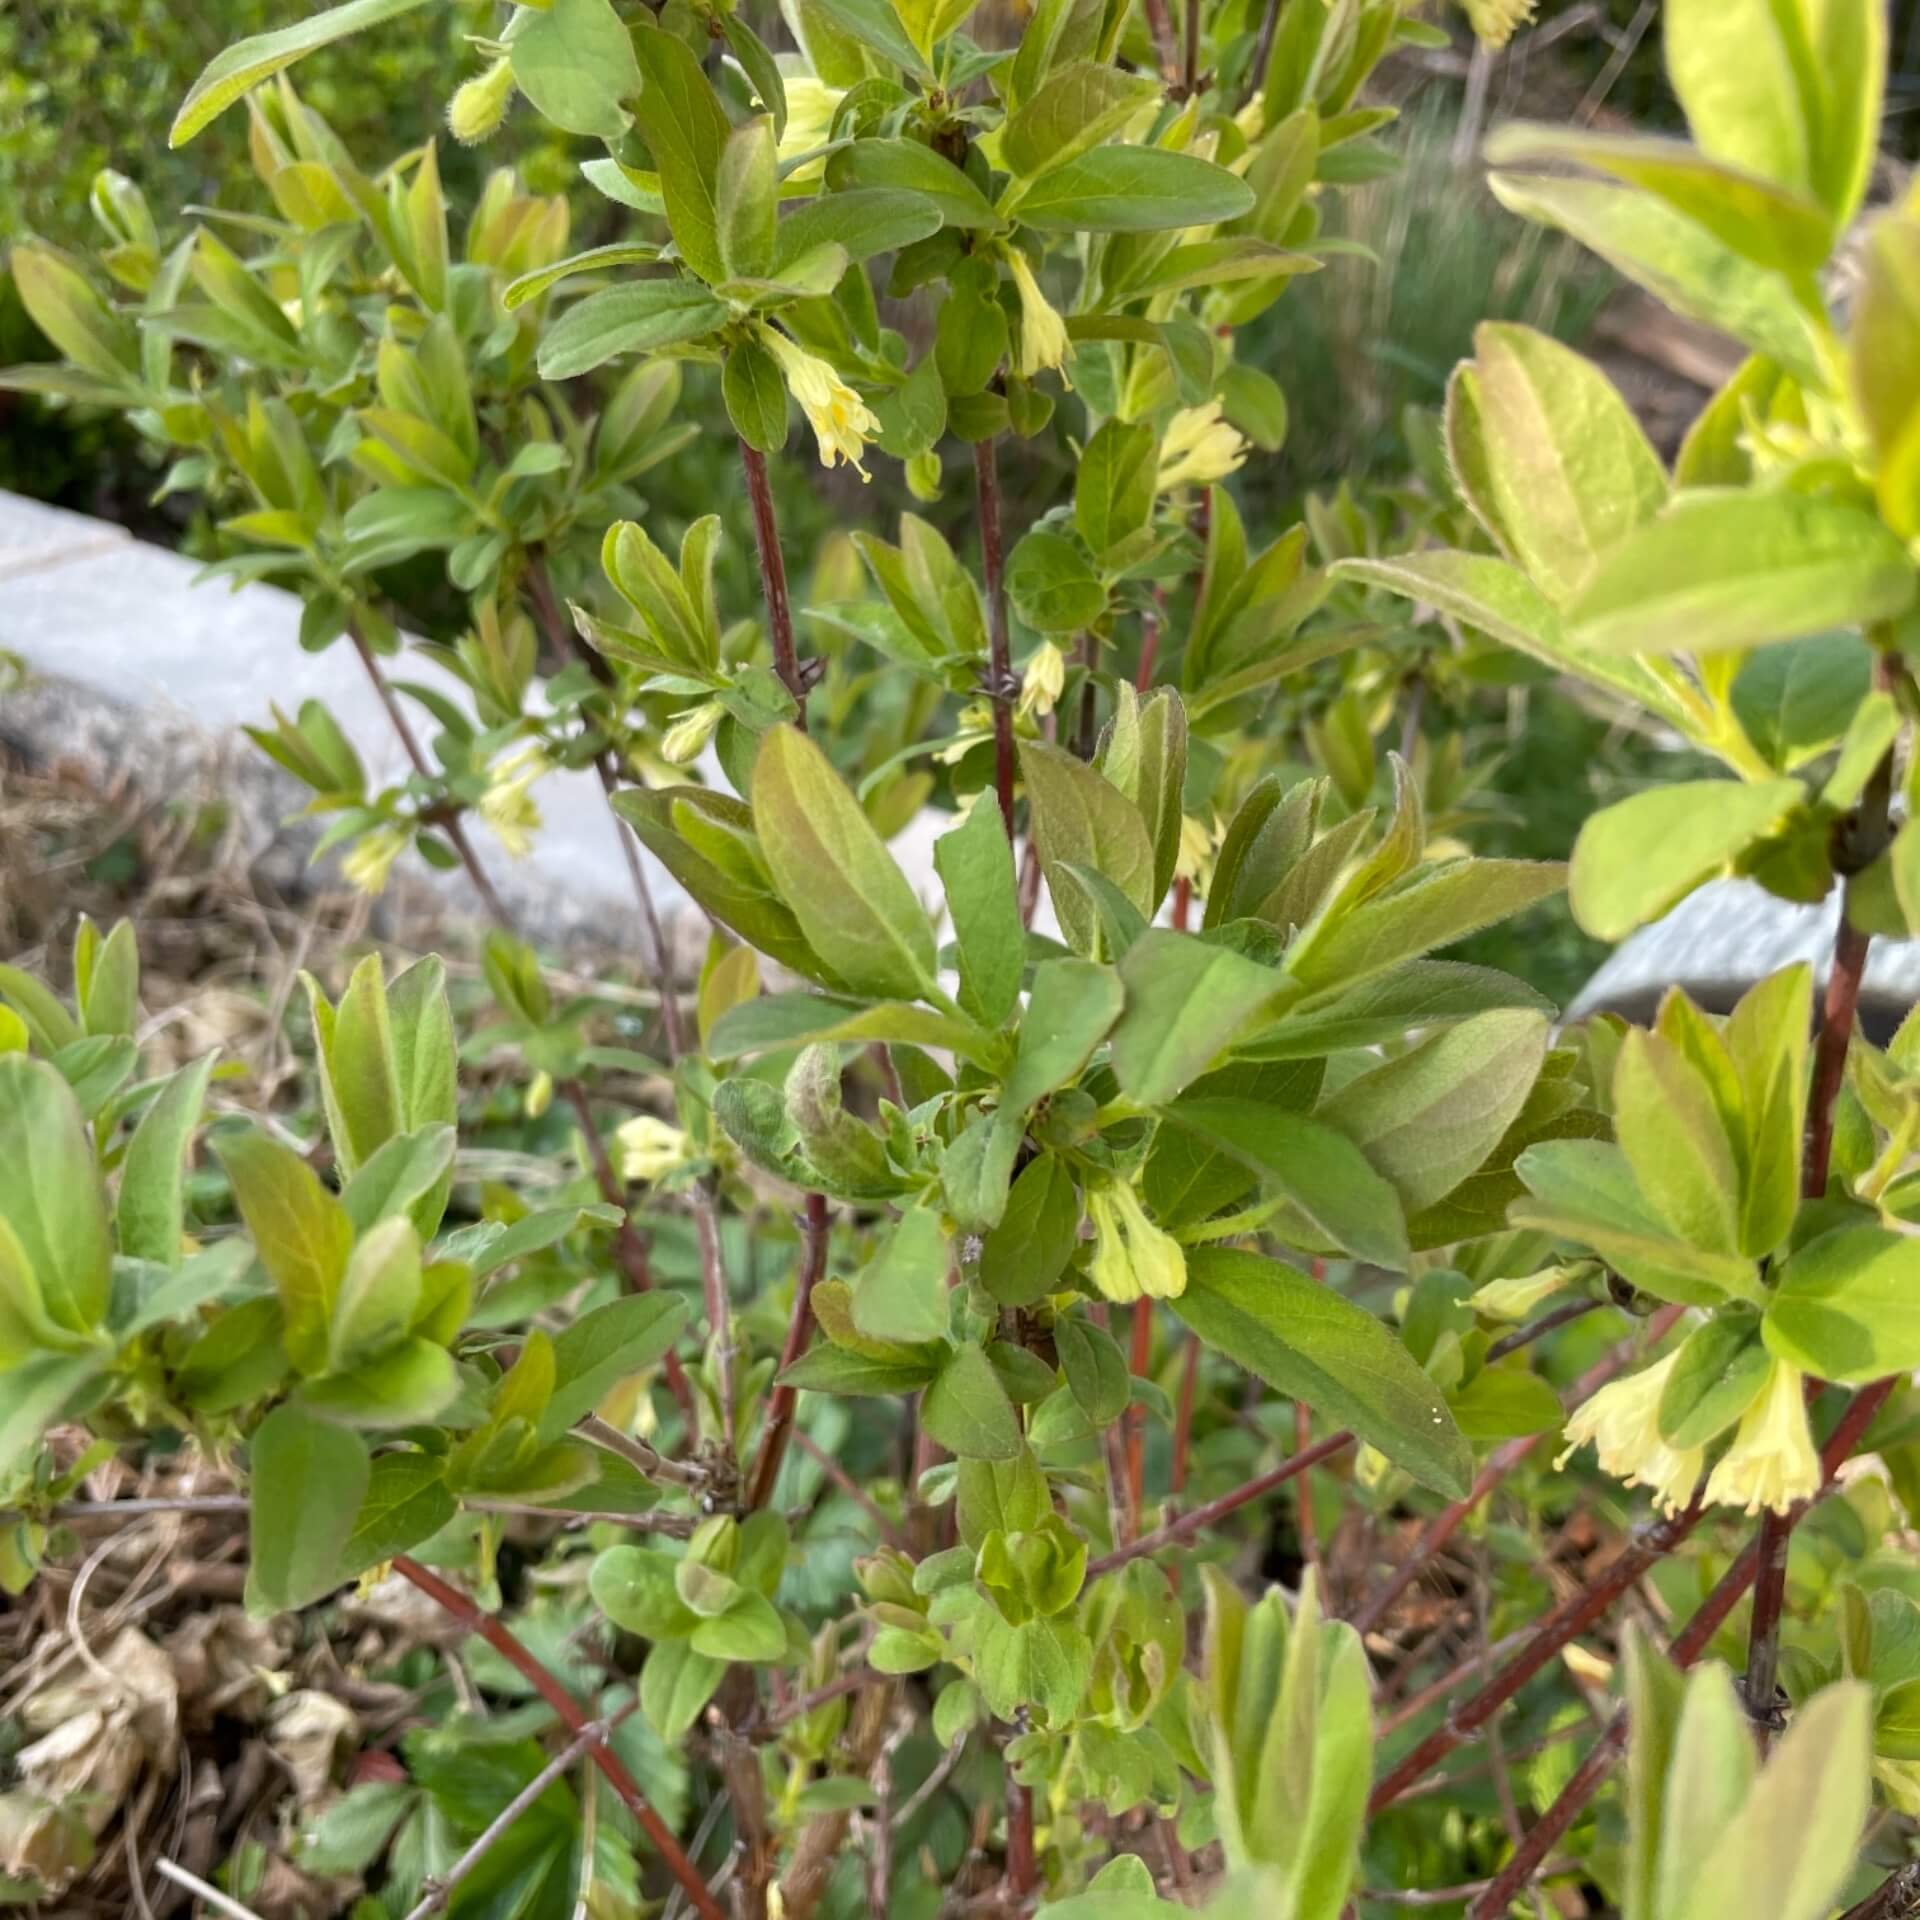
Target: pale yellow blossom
pixel 1041 681
pixel 370 860
pixel 650 1147
pixel 1495 22
pixel 1131 1256
pixel 1198 448
pixel 686 739
pixel 842 422
pixel 1771 1463
pixel 1043 334
pixel 508 806
pixel 811 105
pixel 1623 1423
pixel 1193 862
pixel 480 104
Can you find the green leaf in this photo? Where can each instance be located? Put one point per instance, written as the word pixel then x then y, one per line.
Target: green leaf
pixel 1307 1342
pixel 839 1370
pixel 1095 1367
pixel 530 286
pixel 1794 701
pixel 394 1180
pixel 247 62
pixel 64 306
pixel 379 1294
pixel 1765 222
pixel 1716 1376
pixel 40 1392
pixel 905 166
pixel 901 1293
pixel 1583 1191
pixel 635 1588
pixel 863 221
pixel 779 1020
pixel 1428 1117
pixel 1643 855
pixel 1072 1005
pixel 109 995
pixel 1672 1133
pixel 1419 994
pixel 355 1042
pixel 402 1386
pixel 1790 1851
pixel 301 1232
pixel 1040 1663
pixel 966 1409
pixel 50 1195
pixel 1080 818
pixel 1506 606
pixel 1052 587
pixel 975 864
pixel 1186 1001
pixel 756 396
pixel 744 199
pixel 1114 488
pixel 1022 1257
pixel 1676 260
pixel 151 1207
pixel 406 1502
pixel 603 1348
pixel 640 317
pixel 874 23
pixel 1131 190
pixel 49 1025
pixel 686 132
pixel 749 1630
pixel 675 1684
pixel 1501 1403
pixel 1847 1306
pixel 1433 907
pixel 1322 1174
pixel 425 1068
pixel 853 904
pixel 573 59
pixel 1567 472
pixel 1075 108
pixel 1721 570
pixel 308 1480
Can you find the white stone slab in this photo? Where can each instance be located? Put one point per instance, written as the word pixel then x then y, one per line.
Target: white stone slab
pixel 33 536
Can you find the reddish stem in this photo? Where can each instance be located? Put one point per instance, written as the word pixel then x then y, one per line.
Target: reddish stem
pixel 575 1719
pixel 1023 1871
pixel 781 1402
pixel 773 579
pixel 1183 1415
pixel 1500 1463
pixel 1204 1516
pixel 993 556
pixel 1688 1645
pixel 1565 1623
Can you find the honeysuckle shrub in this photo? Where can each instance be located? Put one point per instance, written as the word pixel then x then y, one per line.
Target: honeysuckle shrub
pixel 1104 1266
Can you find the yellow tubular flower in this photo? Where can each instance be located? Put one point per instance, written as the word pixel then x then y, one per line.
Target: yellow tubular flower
pixel 508 805
pixel 371 857
pixel 1495 22
pixel 1771 1463
pixel 811 105
pixel 1623 1423
pixel 478 107
pixel 842 422
pixel 1043 334
pixel 1041 681
pixel 1198 448
pixel 1131 1256
pixel 687 738
pixel 649 1147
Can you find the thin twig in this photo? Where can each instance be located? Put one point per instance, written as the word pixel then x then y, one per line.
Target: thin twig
pixel 773 579
pixel 646 1460
pixel 1548 1323
pixel 218 1901
pixel 1003 688
pixel 1203 1517
pixel 440 1887
pixel 501 1638
pixel 1896 1898
pixel 848 1485
pixel 782 1402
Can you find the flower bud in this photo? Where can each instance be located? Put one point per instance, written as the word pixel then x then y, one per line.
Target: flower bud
pixel 480 104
